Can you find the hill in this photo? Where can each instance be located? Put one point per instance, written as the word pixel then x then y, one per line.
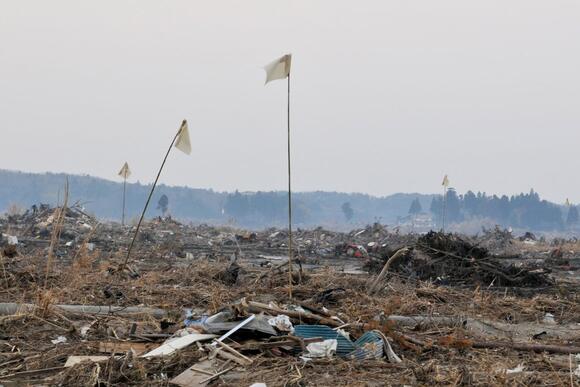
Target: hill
pixel 249 209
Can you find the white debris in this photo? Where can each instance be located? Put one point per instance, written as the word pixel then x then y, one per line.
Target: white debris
pixel 391 355
pixel 173 344
pixel 74 360
pixel 59 340
pixel 344 333
pixel 282 323
pixel 326 348
pixel 85 330
pixel 549 319
pixel 11 239
pixel 517 370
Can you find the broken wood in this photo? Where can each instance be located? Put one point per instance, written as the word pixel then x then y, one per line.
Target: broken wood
pixel 124 346
pixel 400 253
pixel 12 308
pixel 258 307
pixel 195 375
pixel 217 375
pixel 234 352
pixel 74 360
pixel 178 343
pixel 563 349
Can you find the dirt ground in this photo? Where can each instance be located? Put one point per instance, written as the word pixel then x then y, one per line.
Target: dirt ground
pixel 449 325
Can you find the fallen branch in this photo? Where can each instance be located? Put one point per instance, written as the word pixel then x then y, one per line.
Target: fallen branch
pixel 12 308
pixel 257 307
pixel 489 328
pixel 382 275
pixel 528 347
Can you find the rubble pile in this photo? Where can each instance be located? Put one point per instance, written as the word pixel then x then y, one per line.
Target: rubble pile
pixel 453 259
pixel 209 306
pixel 496 239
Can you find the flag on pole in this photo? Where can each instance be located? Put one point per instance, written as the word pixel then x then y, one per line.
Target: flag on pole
pixel 182 143
pixel 278 69
pixel 567 202
pixel 125 172
pixel 445 182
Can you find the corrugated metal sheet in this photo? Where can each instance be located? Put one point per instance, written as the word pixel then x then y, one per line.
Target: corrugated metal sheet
pixel 368 346
pixel 344 347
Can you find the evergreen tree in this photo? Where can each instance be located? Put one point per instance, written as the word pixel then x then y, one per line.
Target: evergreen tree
pixel 163 204
pixel 415 207
pixel 436 208
pixel 453 206
pixel 237 205
pixel 347 211
pixel 470 203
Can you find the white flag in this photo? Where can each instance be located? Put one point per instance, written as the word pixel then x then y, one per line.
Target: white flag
pixel 125 172
pixel 445 182
pixel 278 69
pixel 182 143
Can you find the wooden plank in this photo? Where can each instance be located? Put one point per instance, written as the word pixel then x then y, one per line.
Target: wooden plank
pixel 178 343
pixel 194 376
pixel 74 360
pixel 124 346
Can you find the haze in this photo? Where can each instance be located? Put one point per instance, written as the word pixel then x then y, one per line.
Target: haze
pixel 387 96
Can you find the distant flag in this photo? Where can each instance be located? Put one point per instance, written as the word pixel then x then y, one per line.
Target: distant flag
pixel 182 143
pixel 445 182
pixel 278 69
pixel 125 172
pixel 567 202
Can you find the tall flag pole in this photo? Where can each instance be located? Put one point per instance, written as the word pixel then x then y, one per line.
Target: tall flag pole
pixel 280 69
pixel 445 184
pixel 125 172
pixel 182 142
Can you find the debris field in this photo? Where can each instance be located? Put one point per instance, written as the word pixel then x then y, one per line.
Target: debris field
pixel 213 306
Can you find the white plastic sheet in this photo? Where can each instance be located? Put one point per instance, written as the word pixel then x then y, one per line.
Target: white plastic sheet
pixel 326 348
pixel 282 322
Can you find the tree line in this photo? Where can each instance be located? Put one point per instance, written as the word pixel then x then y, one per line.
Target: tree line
pixel 526 210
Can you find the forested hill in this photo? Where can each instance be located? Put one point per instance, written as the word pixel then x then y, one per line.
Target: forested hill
pixel 263 209
pixel 256 210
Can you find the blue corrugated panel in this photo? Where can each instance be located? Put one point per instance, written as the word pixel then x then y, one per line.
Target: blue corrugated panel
pixel 344 347
pixel 368 346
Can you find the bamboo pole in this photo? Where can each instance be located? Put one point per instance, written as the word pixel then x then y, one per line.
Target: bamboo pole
pixel 124 192
pixel 149 198
pixel 289 201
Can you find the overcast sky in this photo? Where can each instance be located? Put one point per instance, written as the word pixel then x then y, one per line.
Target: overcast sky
pixel 387 96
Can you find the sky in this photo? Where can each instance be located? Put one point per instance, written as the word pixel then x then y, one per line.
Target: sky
pixel 386 96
